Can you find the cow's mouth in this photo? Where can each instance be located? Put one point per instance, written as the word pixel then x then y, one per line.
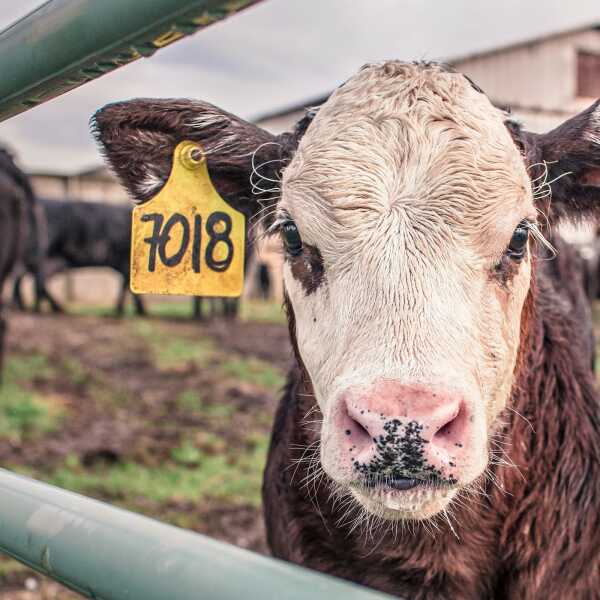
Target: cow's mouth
pixel 402 484
pixel 405 483
pixel 405 497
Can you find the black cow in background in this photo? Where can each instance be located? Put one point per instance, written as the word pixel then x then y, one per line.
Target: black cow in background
pixel 17 213
pixel 84 234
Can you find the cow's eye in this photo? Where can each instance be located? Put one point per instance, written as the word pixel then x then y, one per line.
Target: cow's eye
pixel 291 238
pixel 518 243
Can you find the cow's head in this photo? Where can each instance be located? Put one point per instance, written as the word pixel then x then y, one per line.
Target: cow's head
pixel 409 207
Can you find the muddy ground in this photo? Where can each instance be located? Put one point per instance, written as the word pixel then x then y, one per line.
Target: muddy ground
pixel 166 417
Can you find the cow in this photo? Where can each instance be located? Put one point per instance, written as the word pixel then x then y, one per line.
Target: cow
pixel 439 433
pixel 17 214
pixel 84 234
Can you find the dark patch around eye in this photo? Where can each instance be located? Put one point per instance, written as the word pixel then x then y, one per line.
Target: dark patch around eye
pixel 307 268
pixel 505 270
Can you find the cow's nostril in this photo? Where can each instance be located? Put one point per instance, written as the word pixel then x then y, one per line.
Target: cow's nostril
pixel 451 429
pixel 356 430
pixel 446 429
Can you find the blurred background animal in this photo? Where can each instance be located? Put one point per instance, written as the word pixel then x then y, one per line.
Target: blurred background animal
pixel 80 234
pixel 17 216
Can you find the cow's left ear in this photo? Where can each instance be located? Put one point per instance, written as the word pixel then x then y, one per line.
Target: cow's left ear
pixel 571 153
pixel 138 138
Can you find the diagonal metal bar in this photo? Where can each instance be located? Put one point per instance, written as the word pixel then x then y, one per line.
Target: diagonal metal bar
pixel 105 552
pixel 65 43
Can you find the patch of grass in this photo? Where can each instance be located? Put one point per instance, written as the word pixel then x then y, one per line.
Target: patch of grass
pixel 262 311
pixel 191 401
pixel 186 454
pixel 251 310
pixel 234 478
pixel 74 371
pixel 170 351
pixel 255 371
pixel 23 413
pixel 26 368
pixel 174 309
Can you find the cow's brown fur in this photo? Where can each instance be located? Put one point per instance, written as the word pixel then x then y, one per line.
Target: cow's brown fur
pixel 535 532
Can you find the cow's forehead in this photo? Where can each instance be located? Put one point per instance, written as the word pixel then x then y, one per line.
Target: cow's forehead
pixel 410 138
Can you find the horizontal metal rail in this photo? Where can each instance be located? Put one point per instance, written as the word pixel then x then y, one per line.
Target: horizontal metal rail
pixel 65 43
pixel 105 552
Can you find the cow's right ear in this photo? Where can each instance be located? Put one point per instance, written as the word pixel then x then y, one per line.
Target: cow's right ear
pixel 565 166
pixel 138 138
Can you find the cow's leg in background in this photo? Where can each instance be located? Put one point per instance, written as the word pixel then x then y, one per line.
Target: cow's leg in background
pixel 17 293
pixel 44 272
pixel 231 308
pixel 42 293
pixel 140 308
pixel 120 305
pixel 197 308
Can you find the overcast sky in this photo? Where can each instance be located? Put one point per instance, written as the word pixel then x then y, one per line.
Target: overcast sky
pixel 281 53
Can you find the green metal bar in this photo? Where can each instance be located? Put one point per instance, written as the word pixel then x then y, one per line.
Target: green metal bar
pixel 108 553
pixel 65 43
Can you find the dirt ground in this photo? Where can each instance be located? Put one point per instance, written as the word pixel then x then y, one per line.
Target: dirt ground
pixel 167 417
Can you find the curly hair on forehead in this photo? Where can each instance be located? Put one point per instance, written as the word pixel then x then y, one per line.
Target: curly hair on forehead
pixel 419 133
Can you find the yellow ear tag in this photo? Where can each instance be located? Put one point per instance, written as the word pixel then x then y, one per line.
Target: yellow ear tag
pixel 187 239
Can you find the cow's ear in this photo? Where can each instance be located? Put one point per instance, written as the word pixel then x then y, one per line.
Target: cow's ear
pixel 571 154
pixel 138 138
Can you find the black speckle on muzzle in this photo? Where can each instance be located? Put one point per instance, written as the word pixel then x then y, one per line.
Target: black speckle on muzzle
pixel 400 456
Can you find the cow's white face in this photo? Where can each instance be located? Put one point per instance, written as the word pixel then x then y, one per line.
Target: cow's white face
pixel 410 198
